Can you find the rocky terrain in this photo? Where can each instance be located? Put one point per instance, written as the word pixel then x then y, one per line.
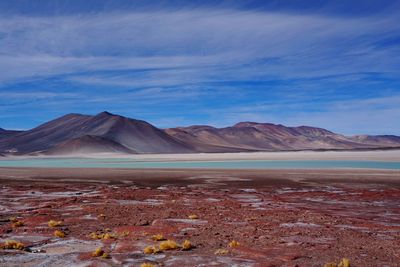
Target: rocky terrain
pixel 107 217
pixel 110 133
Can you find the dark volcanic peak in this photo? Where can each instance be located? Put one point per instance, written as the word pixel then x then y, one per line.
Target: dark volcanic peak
pixel 135 135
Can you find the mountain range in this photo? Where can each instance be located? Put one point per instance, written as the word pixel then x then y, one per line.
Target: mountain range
pixel 110 133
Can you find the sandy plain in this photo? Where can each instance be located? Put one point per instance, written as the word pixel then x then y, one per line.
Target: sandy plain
pixel 279 217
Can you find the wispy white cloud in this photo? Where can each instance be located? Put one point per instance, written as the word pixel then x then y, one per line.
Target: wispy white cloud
pixel 305 45
pixel 150 61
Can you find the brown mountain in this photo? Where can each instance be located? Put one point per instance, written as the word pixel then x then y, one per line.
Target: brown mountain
pixel 88 144
pixel 252 136
pixel 106 132
pixel 134 135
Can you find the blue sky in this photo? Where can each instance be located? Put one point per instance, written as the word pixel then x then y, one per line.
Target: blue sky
pixel 332 64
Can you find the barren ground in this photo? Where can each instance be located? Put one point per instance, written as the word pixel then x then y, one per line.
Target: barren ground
pixel 279 217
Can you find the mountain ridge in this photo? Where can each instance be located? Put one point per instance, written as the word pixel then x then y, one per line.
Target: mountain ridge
pixel 112 133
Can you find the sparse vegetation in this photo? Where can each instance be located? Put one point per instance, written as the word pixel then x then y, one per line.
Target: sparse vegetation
pixel 102 235
pixel 17 224
pixel 13 219
pixel 12 244
pixel 221 252
pixel 99 252
pixel 186 245
pixel 54 223
pixel 233 244
pixel 343 263
pixel 168 245
pixel 124 234
pixel 158 237
pixel 151 250
pixel 147 264
pixel 60 234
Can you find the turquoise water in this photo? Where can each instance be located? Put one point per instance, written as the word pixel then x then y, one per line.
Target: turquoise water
pixel 228 164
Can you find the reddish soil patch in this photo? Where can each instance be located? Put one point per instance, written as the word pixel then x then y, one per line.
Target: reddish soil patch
pixel 280 218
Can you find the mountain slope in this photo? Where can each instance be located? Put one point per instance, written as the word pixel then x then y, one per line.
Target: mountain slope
pixel 88 144
pixel 7 133
pixel 252 136
pixel 135 135
pixel 106 132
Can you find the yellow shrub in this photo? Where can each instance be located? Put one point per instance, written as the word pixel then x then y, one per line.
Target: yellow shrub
pixel 105 255
pixel 234 244
pixel 168 245
pixel 58 233
pixel 150 250
pixel 94 236
pixel 17 224
pixel 108 236
pixel 344 263
pixel 193 217
pixel 102 236
pixel 12 244
pixel 54 223
pixel 146 264
pixel 221 251
pixel 124 234
pixel 158 237
pixel 99 252
pixel 186 245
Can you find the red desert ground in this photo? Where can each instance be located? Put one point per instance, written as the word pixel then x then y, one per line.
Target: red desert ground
pixel 196 217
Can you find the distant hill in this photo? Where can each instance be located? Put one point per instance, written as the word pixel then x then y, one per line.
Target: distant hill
pixel 110 133
pixel 129 134
pixel 271 137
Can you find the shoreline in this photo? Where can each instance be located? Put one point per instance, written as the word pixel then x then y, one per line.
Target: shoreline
pixel 372 155
pixel 187 176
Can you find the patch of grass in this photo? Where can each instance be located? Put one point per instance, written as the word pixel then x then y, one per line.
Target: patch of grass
pixel 233 244
pixel 151 250
pixel 221 252
pixel 168 245
pixel 124 234
pixel 193 216
pixel 343 263
pixel 186 245
pixel 158 237
pixel 147 264
pixel 12 244
pixel 13 219
pixel 99 252
pixel 102 235
pixel 60 234
pixel 17 224
pixel 54 223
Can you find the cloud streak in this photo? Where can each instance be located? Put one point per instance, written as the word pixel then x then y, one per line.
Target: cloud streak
pixel 264 64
